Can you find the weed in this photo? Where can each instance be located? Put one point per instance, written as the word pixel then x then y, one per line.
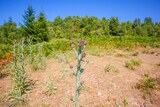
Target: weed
pixel 132 64
pixel 37 62
pixel 135 54
pixel 50 86
pixel 121 55
pixel 79 55
pixel 125 102
pixel 31 54
pixel 20 84
pixel 41 57
pixel 110 68
pixel 147 85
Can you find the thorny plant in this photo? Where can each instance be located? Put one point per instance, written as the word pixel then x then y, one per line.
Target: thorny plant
pixel 20 84
pixel 31 54
pixel 37 62
pixel 80 54
pixel 50 85
pixel 41 57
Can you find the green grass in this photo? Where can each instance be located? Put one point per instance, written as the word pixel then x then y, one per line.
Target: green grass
pixel 132 64
pixel 123 41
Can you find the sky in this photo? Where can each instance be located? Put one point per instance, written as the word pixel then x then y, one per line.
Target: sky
pixel 123 9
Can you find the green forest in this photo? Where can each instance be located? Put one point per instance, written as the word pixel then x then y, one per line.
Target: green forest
pixel 91 28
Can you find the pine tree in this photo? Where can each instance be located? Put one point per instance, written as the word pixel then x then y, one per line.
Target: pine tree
pixel 42 28
pixel 29 23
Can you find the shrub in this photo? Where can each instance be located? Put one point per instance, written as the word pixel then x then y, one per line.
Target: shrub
pixel 147 85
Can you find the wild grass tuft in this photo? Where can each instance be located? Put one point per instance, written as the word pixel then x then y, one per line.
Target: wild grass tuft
pixel 111 68
pixel 147 84
pixel 132 64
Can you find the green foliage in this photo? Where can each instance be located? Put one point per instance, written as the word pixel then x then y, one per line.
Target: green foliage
pixel 99 32
pixel 29 16
pixel 8 32
pixel 132 64
pixel 41 28
pixel 29 22
pixel 5 49
pixel 56 45
pixel 114 26
pixel 37 29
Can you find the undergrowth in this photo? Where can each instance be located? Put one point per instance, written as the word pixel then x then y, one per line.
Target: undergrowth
pixel 147 85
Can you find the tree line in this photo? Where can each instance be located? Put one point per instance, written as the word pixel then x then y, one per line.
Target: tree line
pixel 39 29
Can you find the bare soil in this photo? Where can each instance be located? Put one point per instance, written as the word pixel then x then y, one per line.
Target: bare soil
pixel 101 89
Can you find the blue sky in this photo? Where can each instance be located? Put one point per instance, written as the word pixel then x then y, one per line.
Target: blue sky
pixel 124 9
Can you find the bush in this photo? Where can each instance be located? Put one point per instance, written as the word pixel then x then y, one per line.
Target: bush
pixel 147 85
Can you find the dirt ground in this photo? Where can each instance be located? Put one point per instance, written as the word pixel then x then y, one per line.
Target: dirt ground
pixel 100 89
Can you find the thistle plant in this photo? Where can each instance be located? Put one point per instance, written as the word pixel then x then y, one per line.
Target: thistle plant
pixel 80 69
pixel 20 84
pixel 36 61
pixel 41 57
pixel 50 85
pixel 31 54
